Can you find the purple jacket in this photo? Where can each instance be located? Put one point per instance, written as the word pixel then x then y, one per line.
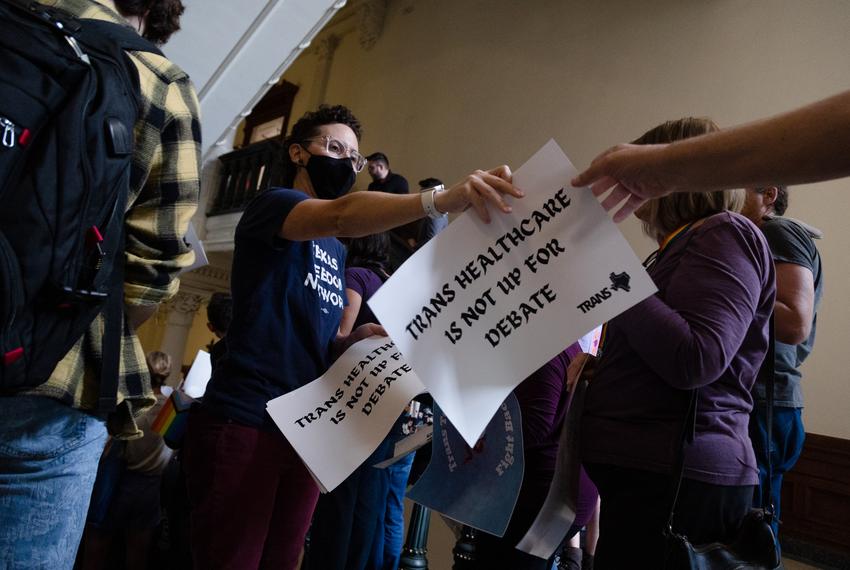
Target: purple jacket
pixel 706 328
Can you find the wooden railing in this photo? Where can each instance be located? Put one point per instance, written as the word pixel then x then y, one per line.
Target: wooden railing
pixel 245 173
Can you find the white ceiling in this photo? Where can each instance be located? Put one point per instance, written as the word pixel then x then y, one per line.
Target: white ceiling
pixel 234 50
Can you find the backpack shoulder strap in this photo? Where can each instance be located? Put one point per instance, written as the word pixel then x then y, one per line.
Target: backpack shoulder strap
pixel 123 36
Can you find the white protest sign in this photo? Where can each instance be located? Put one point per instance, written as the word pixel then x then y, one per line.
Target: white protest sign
pixel 559 510
pixel 339 419
pixel 194 243
pixel 198 376
pixel 481 306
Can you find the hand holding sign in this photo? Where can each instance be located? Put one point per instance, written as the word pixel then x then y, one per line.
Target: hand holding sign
pixel 478 188
pixel 481 306
pixel 339 419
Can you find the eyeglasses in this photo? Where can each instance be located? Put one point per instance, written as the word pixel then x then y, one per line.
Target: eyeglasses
pixel 339 149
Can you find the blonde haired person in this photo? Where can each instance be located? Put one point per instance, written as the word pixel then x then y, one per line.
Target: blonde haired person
pixel 159 364
pixel 705 329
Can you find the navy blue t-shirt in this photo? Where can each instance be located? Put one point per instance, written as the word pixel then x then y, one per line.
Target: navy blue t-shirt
pixel 288 298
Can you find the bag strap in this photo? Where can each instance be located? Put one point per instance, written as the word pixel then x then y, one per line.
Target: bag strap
pixel 121 35
pixel 110 364
pixel 99 34
pixel 689 427
pixel 60 19
pixel 767 374
pixel 87 29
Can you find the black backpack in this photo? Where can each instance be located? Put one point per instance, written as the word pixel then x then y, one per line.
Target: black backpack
pixel 69 100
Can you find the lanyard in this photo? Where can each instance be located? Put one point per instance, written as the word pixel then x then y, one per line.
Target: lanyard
pixel 669 239
pixel 665 243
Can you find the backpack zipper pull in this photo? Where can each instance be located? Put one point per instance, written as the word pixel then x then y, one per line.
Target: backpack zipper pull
pixel 94 240
pixel 76 47
pixel 8 132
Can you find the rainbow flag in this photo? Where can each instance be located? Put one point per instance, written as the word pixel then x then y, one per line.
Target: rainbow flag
pixel 170 423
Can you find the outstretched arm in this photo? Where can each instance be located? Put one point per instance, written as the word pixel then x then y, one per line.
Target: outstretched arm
pixel 363 213
pixel 808 144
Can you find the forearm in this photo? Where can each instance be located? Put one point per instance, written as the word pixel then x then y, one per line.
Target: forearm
pixel 349 313
pixel 805 145
pixel 365 213
pixel 355 215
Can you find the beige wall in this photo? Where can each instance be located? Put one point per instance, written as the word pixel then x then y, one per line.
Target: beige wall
pixel 455 85
pixel 152 330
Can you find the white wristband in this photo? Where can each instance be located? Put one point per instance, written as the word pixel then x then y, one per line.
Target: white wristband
pixel 428 202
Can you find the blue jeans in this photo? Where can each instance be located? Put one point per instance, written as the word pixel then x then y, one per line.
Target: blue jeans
pixel 347 531
pixel 394 519
pixel 48 461
pixel 788 437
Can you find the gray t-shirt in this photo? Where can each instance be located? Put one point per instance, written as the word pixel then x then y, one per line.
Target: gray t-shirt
pixel 791 243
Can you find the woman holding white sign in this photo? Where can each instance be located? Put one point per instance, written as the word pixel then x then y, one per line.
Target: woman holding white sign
pixel 706 329
pixel 288 295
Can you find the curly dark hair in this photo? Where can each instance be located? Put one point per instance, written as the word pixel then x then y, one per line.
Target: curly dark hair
pixel 308 126
pixel 220 311
pixel 161 17
pixel 781 203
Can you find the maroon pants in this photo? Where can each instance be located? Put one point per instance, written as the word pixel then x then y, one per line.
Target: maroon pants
pixel 251 496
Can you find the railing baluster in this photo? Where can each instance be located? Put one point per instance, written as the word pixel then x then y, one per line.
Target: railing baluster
pixel 245 173
pixel 414 553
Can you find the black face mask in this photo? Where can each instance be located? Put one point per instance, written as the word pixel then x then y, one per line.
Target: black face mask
pixel 331 177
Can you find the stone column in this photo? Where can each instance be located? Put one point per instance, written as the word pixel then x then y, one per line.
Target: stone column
pixel 181 313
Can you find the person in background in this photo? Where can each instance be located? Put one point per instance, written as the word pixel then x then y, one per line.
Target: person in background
pixel 799 287
pixel 706 329
pixel 219 315
pixel 804 145
pixel 288 297
pixel 134 510
pixel 52 441
pixel 383 179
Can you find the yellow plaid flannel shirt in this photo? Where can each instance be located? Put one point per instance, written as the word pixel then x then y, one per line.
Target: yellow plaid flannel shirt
pixel 163 196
